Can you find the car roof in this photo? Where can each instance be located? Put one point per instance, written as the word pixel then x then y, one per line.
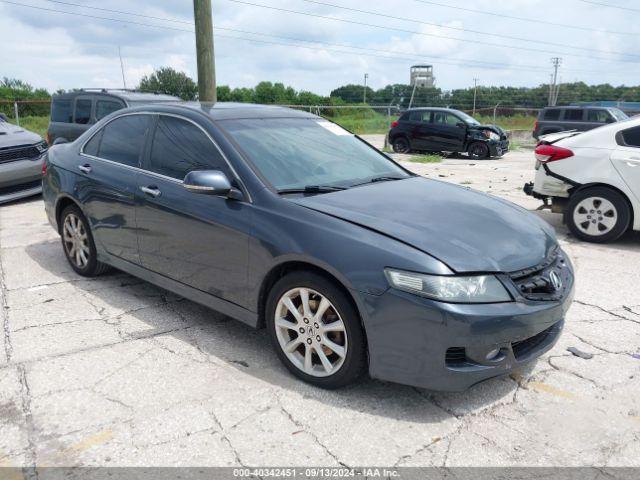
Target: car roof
pixel 435 109
pixel 133 96
pixel 577 107
pixel 226 110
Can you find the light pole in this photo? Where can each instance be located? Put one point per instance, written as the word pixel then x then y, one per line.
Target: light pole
pixel 475 92
pixel 366 76
pixel 204 50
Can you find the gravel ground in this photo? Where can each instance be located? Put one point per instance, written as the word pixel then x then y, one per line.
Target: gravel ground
pixel 114 371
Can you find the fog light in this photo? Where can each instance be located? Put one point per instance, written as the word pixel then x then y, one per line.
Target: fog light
pixel 493 354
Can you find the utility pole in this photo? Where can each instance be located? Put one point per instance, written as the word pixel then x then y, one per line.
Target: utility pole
pixel 366 76
pixel 553 89
pixel 124 82
pixel 204 50
pixel 475 92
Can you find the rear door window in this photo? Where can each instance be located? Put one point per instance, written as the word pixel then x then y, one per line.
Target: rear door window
pixel 106 107
pixel 123 139
pixel 573 115
pixel 82 113
pixel 552 114
pixel 445 118
pixel 421 116
pixel 180 147
pixel 631 137
pixel 61 111
pixel 92 146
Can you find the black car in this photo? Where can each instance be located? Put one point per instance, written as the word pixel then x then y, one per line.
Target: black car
pixel 446 130
pixel 73 113
pixel 562 119
pixel 284 220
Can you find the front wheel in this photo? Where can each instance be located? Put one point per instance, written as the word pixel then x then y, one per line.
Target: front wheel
pixel 598 214
pixel 478 151
pixel 316 330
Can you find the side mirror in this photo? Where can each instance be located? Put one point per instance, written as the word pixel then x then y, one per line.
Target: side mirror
pixel 461 125
pixel 210 182
pixel 60 141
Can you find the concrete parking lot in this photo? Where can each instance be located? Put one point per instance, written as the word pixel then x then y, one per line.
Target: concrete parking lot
pixel 113 371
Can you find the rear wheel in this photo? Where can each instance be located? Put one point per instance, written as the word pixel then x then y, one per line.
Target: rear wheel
pixel 315 330
pixel 478 150
pixel 598 214
pixel 78 244
pixel 401 145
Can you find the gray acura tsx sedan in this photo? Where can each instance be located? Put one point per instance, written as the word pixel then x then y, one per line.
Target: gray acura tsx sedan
pixel 284 220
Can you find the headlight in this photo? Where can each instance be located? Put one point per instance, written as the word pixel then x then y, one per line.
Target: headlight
pixel 491 135
pixel 454 289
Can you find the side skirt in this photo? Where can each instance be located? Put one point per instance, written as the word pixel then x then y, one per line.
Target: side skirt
pixel 190 293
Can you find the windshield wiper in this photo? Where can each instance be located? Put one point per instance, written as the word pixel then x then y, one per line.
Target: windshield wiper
pixel 312 189
pixel 386 178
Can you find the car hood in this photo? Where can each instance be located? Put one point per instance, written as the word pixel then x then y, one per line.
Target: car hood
pixel 467 230
pixel 12 135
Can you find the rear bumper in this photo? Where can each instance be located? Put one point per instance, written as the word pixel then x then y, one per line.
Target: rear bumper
pixel 439 346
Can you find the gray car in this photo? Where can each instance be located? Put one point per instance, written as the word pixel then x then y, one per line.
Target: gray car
pixel 286 221
pixel 21 157
pixel 75 112
pixel 562 119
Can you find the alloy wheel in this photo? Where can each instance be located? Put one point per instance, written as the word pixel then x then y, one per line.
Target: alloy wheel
pixel 595 216
pixel 311 332
pixel 76 240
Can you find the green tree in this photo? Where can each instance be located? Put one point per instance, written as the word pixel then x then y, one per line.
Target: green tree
pixel 171 82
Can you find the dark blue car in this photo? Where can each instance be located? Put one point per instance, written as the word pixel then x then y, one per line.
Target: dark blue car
pixel 286 221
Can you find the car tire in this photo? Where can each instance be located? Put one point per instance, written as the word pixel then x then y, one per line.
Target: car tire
pixel 401 145
pixel 478 151
pixel 328 351
pixel 598 214
pixel 78 244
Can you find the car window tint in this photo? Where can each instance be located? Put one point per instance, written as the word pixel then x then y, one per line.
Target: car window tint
pixel 552 114
pixel 105 107
pixel 598 116
pixel 631 136
pixel 573 115
pixel 123 139
pixel 91 147
pixel 180 147
pixel 83 111
pixel 444 118
pixel 61 111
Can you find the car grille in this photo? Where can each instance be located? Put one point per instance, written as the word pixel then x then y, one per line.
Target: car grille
pixel 523 348
pixel 536 283
pixel 19 188
pixel 19 153
pixel 456 357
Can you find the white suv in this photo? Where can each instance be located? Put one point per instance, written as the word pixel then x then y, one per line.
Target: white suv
pixel 593 178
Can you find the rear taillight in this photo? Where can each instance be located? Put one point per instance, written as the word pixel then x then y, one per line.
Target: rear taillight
pixel 551 153
pixel 44 167
pixel 394 124
pixel 48 138
pixel 535 126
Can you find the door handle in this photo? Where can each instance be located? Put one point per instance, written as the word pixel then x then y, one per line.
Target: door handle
pixel 152 190
pixel 86 168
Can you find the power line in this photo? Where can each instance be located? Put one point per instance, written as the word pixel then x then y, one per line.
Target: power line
pixel 477 42
pixel 461 29
pixel 461 62
pixel 525 19
pixel 619 7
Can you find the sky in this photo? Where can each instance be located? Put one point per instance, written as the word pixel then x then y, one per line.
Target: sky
pixel 598 41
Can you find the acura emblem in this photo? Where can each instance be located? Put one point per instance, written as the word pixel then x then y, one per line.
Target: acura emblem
pixel 556 281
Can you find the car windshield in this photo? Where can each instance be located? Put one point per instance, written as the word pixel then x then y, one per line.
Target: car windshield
pixel 618 114
pixel 294 153
pixel 468 118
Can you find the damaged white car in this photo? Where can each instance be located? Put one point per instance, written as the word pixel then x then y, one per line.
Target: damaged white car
pixel 593 178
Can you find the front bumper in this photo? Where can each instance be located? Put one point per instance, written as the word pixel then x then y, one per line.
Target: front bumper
pixel 20 179
pixel 439 346
pixel 498 148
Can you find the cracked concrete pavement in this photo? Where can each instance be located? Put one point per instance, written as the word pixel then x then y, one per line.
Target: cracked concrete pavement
pixel 113 371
